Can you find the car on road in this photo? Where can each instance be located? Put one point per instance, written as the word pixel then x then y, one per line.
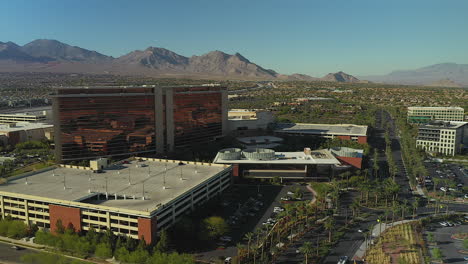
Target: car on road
pixel 343 260
pixel 362 230
pixel 226 238
pixel 17 247
pixel 443 223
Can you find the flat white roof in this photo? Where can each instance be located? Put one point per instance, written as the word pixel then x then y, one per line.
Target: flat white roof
pixel 322 129
pixel 435 108
pixel 25 114
pixel 24 126
pixel 50 184
pixel 318 157
pixel 445 125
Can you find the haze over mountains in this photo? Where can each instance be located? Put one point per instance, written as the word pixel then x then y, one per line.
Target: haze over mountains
pixel 456 73
pixel 45 55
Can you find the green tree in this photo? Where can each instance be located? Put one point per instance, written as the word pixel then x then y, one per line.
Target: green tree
pixel 163 243
pixel 248 236
pixel 437 253
pixel 307 249
pixel 329 225
pixel 103 250
pixel 215 226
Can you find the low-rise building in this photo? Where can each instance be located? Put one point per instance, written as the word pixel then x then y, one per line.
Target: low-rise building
pixel 442 137
pixel 24 131
pixel 342 131
pixel 260 141
pixel 136 198
pixel 307 164
pixel 422 115
pixel 33 117
pixel 246 119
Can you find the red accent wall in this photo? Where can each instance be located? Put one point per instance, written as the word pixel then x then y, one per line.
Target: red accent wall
pixel 147 228
pixel 362 140
pixel 68 215
pixel 344 137
pixel 235 170
pixel 355 162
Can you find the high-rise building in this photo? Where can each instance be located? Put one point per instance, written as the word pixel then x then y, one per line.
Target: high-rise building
pixel 417 115
pixel 108 121
pixel 442 137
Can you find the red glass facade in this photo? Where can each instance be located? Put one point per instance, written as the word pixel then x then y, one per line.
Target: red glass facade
pixel 111 121
pixel 197 115
pixel 106 123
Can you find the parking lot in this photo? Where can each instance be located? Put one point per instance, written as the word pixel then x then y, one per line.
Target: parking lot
pixel 443 237
pixel 451 178
pixel 247 207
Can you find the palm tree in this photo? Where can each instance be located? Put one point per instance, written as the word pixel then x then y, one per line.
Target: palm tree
pixel 415 206
pixel 329 225
pixel 355 208
pixel 404 208
pixel 248 237
pixel 375 165
pixel 307 249
pixel 239 247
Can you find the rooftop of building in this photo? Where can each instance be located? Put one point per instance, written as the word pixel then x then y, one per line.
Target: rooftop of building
pixel 435 108
pixel 259 140
pixel 444 125
pixel 137 86
pixel 316 157
pixel 322 129
pixel 24 114
pixel 148 175
pixel 20 126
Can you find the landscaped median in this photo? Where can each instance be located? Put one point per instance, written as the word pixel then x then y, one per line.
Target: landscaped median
pixel 402 243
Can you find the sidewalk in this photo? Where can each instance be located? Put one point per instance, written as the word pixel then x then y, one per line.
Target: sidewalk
pixel 45 249
pixel 378 229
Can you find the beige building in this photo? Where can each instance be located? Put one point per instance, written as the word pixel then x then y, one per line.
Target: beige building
pixel 426 114
pixel 441 137
pixel 12 134
pixel 39 116
pixel 249 119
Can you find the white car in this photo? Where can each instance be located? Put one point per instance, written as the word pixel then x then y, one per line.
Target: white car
pixel 226 238
pixel 443 223
pixel 290 193
pixel 443 189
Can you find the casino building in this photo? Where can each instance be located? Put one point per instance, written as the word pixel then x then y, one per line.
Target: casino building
pixel 107 121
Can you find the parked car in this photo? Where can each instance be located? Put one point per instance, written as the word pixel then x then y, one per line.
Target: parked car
pixel 343 260
pixel 443 189
pixel 443 223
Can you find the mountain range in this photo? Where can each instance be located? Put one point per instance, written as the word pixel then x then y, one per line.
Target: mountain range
pixel 45 55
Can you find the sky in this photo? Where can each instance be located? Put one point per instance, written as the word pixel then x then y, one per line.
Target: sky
pixel 360 37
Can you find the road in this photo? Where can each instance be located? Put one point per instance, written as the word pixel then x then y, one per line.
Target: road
pixel 10 256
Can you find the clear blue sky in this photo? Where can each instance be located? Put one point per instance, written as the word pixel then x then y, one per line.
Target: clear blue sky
pixel 359 37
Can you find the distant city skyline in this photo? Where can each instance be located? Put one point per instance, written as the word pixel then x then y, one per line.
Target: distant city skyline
pixel 311 37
